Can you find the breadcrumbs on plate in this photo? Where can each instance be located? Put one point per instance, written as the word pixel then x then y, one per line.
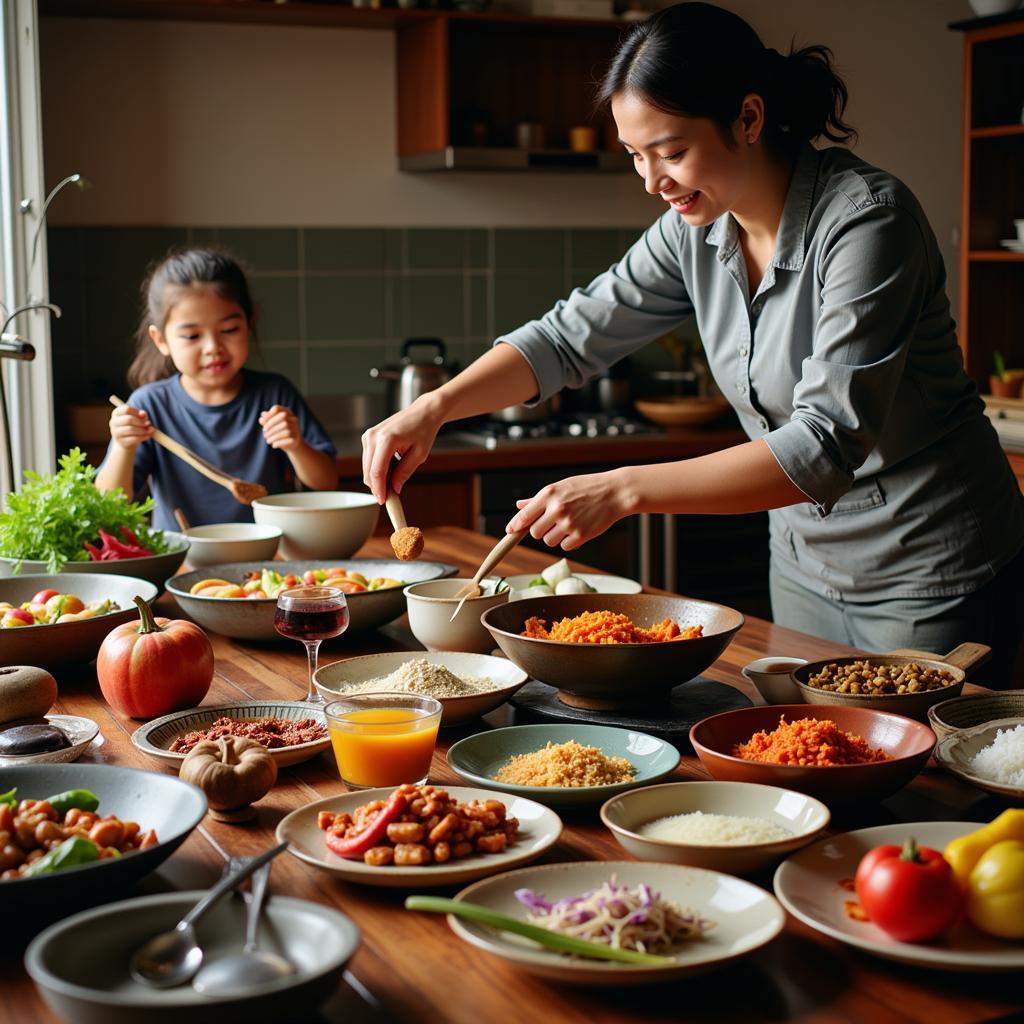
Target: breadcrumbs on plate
pixel 568 764
pixel 604 627
pixel 813 742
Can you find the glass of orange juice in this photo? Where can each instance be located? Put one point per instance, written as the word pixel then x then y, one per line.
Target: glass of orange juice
pixel 383 739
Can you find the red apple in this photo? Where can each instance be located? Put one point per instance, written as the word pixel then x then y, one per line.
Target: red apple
pixel 44 595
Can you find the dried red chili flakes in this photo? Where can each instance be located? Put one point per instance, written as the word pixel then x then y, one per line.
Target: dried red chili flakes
pixel 271 732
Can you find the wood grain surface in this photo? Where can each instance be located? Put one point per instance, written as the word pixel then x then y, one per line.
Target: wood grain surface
pixel 411 968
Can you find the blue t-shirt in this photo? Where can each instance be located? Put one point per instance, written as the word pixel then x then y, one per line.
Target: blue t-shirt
pixel 228 436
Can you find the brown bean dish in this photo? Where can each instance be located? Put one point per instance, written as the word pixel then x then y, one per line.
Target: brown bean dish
pixel 880 680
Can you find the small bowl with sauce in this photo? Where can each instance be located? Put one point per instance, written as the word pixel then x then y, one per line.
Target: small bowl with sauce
pixel 772 678
pixel 383 739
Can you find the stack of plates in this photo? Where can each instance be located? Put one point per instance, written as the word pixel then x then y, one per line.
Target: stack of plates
pixel 1013 244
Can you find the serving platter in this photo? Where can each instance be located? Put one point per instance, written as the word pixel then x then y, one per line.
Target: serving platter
pixel 155 737
pixel 746 918
pixel 808 886
pixel 539 829
pixel 80 731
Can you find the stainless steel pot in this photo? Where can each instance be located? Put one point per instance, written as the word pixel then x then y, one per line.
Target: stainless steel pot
pixel 408 380
pixel 545 410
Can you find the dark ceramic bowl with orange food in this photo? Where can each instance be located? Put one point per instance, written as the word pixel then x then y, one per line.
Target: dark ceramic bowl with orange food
pixel 905 743
pixel 612 676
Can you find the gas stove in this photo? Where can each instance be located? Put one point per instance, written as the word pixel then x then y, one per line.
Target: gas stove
pixel 577 426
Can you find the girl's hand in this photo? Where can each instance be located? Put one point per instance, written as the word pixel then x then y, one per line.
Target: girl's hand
pixel 570 512
pixel 408 434
pixel 281 428
pixel 129 427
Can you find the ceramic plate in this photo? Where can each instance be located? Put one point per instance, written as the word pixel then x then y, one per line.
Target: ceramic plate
pixel 478 759
pixel 335 680
pixel 599 581
pixel 956 751
pixel 80 731
pixel 808 886
pixel 745 916
pixel 539 829
pixel 156 736
pixel 1013 244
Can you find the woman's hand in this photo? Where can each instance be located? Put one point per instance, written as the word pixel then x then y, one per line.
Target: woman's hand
pixel 408 434
pixel 281 428
pixel 129 427
pixel 570 512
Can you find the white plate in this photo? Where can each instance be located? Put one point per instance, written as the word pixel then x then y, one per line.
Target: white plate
pixel 1013 244
pixel 539 829
pixel 808 886
pixel 80 731
pixel 156 736
pixel 956 751
pixel 745 916
pixel 599 581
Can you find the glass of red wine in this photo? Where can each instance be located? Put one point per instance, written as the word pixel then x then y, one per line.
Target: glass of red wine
pixel 310 615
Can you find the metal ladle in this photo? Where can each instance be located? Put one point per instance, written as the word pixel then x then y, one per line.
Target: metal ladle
pixel 239 973
pixel 173 957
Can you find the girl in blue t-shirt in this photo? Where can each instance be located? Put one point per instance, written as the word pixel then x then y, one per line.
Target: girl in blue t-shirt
pixel 190 381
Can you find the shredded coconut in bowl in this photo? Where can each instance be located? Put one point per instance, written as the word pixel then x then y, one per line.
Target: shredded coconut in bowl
pixel 425 678
pixel 713 830
pixel 1002 760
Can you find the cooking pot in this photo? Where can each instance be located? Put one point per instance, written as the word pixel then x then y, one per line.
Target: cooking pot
pixel 408 380
pixel 545 410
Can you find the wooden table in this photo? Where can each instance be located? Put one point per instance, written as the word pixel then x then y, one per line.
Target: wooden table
pixel 411 967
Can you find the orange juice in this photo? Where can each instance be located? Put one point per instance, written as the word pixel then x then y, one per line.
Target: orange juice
pixel 383 746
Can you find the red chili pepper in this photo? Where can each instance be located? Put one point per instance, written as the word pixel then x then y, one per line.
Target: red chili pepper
pixel 114 549
pixel 910 892
pixel 353 847
pixel 95 553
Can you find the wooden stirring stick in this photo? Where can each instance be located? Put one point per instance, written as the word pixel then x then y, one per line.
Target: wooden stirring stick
pixel 491 559
pixel 406 541
pixel 183 523
pixel 242 490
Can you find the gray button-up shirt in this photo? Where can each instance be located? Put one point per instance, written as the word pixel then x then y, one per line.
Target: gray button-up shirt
pixel 845 361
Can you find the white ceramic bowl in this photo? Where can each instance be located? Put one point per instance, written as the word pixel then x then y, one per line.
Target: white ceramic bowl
pixel 956 752
pixel 801 815
pixel 231 542
pixel 319 524
pixel 775 687
pixel 430 606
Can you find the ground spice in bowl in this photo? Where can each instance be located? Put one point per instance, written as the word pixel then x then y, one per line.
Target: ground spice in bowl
pixel 604 627
pixel 814 742
pixel 568 764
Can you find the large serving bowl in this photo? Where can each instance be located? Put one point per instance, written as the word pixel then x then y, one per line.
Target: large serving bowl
pixel 253 618
pixel 319 524
pixel 153 568
pixel 67 643
pixel 164 803
pixel 220 543
pixel 431 605
pixel 80 965
pixel 802 816
pixel 613 676
pixel 908 744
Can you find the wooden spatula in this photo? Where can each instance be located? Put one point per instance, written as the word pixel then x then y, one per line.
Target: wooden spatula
pixel 406 541
pixel 243 491
pixel 491 559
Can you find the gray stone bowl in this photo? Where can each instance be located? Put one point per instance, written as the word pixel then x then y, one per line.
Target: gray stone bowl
pixel 253 618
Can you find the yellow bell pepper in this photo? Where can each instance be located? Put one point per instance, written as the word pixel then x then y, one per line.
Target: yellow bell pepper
pixel 965 852
pixel 995 891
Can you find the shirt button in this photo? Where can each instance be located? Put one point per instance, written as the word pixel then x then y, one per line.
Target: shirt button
pixel 756 308
pixel 742 389
pixel 764 424
pixel 743 350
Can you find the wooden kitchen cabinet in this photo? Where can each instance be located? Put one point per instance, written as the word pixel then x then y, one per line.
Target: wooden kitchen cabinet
pixel 991 276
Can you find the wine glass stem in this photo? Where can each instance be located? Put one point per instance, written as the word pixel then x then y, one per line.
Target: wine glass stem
pixel 312 647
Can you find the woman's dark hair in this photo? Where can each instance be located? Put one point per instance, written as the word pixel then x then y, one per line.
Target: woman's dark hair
pixel 697 60
pixel 179 271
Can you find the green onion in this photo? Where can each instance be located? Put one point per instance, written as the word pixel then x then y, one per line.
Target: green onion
pixel 552 940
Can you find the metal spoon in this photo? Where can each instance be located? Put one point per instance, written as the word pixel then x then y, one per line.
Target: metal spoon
pixel 173 957
pixel 237 974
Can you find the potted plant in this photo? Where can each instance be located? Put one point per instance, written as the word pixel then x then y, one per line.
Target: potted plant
pixel 1004 383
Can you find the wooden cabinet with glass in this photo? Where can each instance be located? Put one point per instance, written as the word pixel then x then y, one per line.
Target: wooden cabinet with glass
pixel 991 273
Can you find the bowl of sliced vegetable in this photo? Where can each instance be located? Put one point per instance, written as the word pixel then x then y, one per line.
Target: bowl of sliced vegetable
pixel 63 523
pixel 239 599
pixel 559 578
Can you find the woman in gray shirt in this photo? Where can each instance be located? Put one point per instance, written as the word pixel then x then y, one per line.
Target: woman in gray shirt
pixel 819 292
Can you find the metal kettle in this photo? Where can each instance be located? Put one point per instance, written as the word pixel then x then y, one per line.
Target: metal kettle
pixel 408 380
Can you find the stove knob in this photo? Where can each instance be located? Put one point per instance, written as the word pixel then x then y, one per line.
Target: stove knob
pixel 613 430
pixel 592 431
pixel 629 428
pixel 515 431
pixel 575 429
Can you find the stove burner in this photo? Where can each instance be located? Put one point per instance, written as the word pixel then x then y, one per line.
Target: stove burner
pixel 492 433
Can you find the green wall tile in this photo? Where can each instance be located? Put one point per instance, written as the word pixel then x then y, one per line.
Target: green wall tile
pixel 594 248
pixel 479 306
pixel 204 237
pixel 277 307
pixel 478 249
pixel 262 248
pixel 522 297
pixel 343 368
pixel 63 252
pixel 349 248
pixel 435 249
pixel 431 304
pixel 283 359
pixel 340 308
pixel 518 249
pixel 127 253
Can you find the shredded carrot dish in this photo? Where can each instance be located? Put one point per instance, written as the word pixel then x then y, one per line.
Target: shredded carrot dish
pixel 817 742
pixel 608 628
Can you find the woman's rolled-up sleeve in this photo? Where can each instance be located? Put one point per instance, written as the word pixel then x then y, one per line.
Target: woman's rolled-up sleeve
pixel 636 300
pixel 875 281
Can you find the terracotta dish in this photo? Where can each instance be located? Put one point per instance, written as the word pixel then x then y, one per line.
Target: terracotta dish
pixel 908 744
pixel 678 411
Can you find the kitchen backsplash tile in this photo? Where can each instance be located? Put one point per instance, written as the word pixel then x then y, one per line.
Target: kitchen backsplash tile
pixel 342 308
pixel 342 369
pixel 524 295
pixel 262 248
pixel 529 249
pixel 431 304
pixel 361 249
pixel 278 307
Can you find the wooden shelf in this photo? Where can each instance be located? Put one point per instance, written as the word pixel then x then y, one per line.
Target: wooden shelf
pixel 995 256
pixel 998 131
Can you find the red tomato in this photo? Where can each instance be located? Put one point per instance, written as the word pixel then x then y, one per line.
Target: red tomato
pixel 44 595
pixel 255 594
pixel 309 577
pixel 910 892
pixel 291 580
pixel 348 586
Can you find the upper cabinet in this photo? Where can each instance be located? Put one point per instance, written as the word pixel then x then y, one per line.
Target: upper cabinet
pixel 991 265
pixel 476 91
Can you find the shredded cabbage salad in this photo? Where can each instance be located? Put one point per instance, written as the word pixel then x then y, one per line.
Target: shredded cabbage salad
pixel 619 916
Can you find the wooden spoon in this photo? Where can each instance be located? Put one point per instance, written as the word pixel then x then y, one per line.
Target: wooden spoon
pixel 243 491
pixel 491 559
pixel 406 541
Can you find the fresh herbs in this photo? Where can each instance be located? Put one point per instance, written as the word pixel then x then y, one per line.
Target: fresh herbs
pixel 52 518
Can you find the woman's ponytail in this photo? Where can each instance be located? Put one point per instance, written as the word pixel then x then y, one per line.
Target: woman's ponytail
pixel 810 97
